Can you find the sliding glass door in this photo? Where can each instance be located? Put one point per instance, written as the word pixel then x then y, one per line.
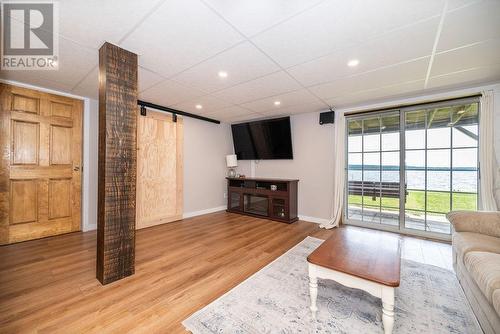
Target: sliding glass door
pixel 407 168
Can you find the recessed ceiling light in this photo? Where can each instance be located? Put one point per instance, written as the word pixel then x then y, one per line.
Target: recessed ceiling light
pixel 277 103
pixel 222 74
pixel 353 63
pixel 198 106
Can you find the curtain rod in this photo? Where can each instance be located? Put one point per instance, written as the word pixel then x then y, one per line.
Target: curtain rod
pixel 411 105
pixel 175 111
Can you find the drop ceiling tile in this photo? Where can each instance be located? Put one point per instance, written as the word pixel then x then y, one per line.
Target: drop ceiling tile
pixel 273 84
pixel 404 89
pixel 242 63
pixel 92 22
pixel 466 77
pixel 209 105
pixel 476 55
pixel 297 109
pixel 402 45
pixel 336 25
pixel 147 79
pixel 168 93
pixel 244 118
pixel 178 35
pixel 89 86
pixel 74 61
pixel 251 17
pixel 470 24
pixel 231 112
pixel 404 72
pixel 287 100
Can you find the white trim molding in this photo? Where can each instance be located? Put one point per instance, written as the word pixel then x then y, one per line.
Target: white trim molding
pixel 203 212
pixel 314 219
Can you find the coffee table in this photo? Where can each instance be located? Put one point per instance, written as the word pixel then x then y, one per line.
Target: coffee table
pixel 359 258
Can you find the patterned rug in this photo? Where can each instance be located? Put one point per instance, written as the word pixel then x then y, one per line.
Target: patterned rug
pixel 276 300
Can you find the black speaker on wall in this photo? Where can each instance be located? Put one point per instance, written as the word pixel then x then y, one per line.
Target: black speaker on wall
pixel 327 117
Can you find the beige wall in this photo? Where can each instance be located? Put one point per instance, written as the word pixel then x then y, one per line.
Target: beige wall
pixel 205 148
pixel 312 164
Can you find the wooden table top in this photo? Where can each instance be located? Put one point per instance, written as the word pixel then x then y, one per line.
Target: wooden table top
pixel 368 254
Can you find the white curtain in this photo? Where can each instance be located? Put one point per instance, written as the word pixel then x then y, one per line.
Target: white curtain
pixel 338 172
pixel 487 160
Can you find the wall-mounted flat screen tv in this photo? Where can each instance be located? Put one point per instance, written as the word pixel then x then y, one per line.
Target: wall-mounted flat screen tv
pixel 266 139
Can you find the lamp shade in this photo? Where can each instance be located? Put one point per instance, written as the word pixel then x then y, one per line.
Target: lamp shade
pixel 231 161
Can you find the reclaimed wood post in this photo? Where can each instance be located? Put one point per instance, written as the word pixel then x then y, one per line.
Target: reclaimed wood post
pixel 117 163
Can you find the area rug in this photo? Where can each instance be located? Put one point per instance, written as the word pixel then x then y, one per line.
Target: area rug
pixel 276 300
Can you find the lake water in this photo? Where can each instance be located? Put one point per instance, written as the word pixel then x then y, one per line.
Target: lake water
pixel 463 181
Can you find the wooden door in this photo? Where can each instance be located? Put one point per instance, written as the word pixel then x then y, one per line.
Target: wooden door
pixel 40 174
pixel 159 169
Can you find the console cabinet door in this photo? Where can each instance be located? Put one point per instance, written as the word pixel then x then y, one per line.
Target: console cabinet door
pixel 278 207
pixel 235 201
pixel 40 171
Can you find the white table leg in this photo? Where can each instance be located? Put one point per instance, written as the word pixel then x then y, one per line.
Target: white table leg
pixel 388 309
pixel 313 291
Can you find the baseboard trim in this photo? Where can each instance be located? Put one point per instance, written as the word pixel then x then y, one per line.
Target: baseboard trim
pixel 314 219
pixel 89 227
pixel 203 212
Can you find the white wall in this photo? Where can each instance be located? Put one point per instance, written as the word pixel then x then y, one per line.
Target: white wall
pixel 312 164
pixel 313 157
pixel 205 148
pixel 90 157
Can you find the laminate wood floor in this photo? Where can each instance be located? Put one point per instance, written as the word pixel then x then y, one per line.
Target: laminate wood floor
pixel 49 285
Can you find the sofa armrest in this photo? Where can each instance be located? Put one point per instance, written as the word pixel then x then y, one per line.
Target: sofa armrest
pixel 483 222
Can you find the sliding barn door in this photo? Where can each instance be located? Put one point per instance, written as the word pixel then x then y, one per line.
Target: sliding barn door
pixel 159 169
pixel 40 176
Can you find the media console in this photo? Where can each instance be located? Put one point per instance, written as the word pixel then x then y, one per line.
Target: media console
pixel 274 199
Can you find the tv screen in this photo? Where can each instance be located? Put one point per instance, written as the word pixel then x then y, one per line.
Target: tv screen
pixel 267 139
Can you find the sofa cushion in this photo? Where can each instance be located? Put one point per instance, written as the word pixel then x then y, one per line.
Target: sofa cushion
pixel 496 301
pixel 465 242
pixel 484 268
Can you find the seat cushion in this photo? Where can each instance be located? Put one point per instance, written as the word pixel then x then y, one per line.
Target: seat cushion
pixel 484 268
pixel 465 242
pixel 496 301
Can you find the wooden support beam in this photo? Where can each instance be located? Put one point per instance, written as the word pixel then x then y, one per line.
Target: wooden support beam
pixel 117 163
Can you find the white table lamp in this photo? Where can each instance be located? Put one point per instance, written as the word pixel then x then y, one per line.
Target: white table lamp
pixel 231 162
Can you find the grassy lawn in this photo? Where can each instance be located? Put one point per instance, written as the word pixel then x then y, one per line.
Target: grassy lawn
pixel 436 201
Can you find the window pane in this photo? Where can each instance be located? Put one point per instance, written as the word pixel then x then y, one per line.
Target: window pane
pixel 415 129
pixel 465 115
pixel 438 201
pixel 415 200
pixel 465 181
pixel 437 223
pixel 354 143
pixel 415 179
pixel 415 169
pixel 465 136
pixel 390 166
pixel 390 133
pixel 438 128
pixel 371 134
pixel 438 159
pixel 463 201
pixel 438 180
pixel 415 220
pixel 415 159
pixel 439 138
pixel 465 159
